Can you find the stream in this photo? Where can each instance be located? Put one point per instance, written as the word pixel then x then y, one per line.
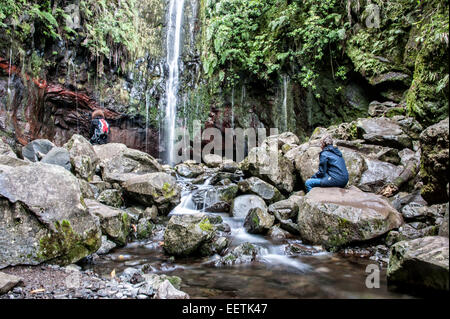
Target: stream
pixel 280 273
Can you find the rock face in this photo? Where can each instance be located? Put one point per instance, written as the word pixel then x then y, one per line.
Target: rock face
pixel 258 221
pixel 196 234
pixel 42 217
pixel 118 163
pixel 114 222
pixel 435 162
pixel 421 263
pixel 242 205
pixel 82 157
pixel 335 217
pixel 256 186
pixel 158 189
pixel 35 150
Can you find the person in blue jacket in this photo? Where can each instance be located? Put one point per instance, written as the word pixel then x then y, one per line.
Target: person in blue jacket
pixel 332 169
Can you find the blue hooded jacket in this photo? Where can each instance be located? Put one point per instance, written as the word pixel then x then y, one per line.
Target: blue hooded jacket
pixel 332 169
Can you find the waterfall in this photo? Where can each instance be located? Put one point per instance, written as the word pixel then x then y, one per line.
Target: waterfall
pixel 284 109
pixel 173 55
pixel 147 104
pixel 232 108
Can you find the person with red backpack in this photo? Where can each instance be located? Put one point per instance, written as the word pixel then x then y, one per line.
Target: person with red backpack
pixel 99 128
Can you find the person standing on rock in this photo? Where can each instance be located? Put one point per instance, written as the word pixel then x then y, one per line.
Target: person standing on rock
pixel 99 128
pixel 332 169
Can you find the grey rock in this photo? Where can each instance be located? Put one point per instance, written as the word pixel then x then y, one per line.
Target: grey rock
pixel 258 221
pixel 82 157
pixel 257 186
pixel 58 156
pixel 35 150
pixel 242 205
pixel 8 282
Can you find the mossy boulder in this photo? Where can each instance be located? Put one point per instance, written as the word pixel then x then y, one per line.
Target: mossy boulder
pixel 435 162
pixel 111 197
pixel 258 221
pixel 335 217
pixel 158 189
pixel 420 263
pixel 114 222
pixel 196 234
pixel 43 217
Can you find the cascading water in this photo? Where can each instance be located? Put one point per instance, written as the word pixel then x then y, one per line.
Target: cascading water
pixel 173 55
pixel 284 109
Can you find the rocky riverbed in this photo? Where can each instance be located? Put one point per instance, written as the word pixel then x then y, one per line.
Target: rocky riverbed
pixel 83 221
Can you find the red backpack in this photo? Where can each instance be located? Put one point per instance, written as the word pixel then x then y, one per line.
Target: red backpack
pixel 103 126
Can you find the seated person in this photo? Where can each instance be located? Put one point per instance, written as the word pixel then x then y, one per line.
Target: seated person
pixel 332 169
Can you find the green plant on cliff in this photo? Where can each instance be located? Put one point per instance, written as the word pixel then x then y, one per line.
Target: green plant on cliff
pixel 260 38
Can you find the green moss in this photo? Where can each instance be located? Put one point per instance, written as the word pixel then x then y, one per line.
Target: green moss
pixel 205 225
pixel 65 246
pixel 168 191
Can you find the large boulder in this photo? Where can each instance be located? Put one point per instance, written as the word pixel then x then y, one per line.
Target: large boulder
pixel 435 162
pixel 82 157
pixel 268 163
pixel 158 189
pixel 194 234
pixel 257 186
pixel 420 263
pixel 383 131
pixel 119 163
pixel 189 170
pixel 43 218
pixel 36 150
pixel 335 217
pixel 114 222
pixel 242 205
pixel 378 175
pixel 58 156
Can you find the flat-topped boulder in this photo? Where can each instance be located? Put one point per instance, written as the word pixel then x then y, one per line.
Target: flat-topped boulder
pixel 158 189
pixel 335 217
pixel 119 163
pixel 194 234
pixel 383 131
pixel 420 263
pixel 42 217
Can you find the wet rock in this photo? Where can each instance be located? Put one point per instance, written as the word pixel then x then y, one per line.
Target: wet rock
pixel 8 282
pixel 189 170
pixel 58 156
pixel 186 234
pixel 144 228
pixel 119 163
pixel 114 222
pixel 421 263
pixel 434 141
pixel 383 131
pixel 42 217
pixel 243 254
pixel 335 217
pixel 36 150
pixel 229 166
pixel 256 186
pixel 82 157
pixel 158 189
pixel 111 197
pixel 299 249
pixel 106 246
pixel 219 207
pixel 285 213
pixel 242 205
pixel 212 160
pixel 258 221
pixel 276 232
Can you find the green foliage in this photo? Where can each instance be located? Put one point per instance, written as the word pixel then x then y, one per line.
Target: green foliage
pixel 111 30
pixel 259 38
